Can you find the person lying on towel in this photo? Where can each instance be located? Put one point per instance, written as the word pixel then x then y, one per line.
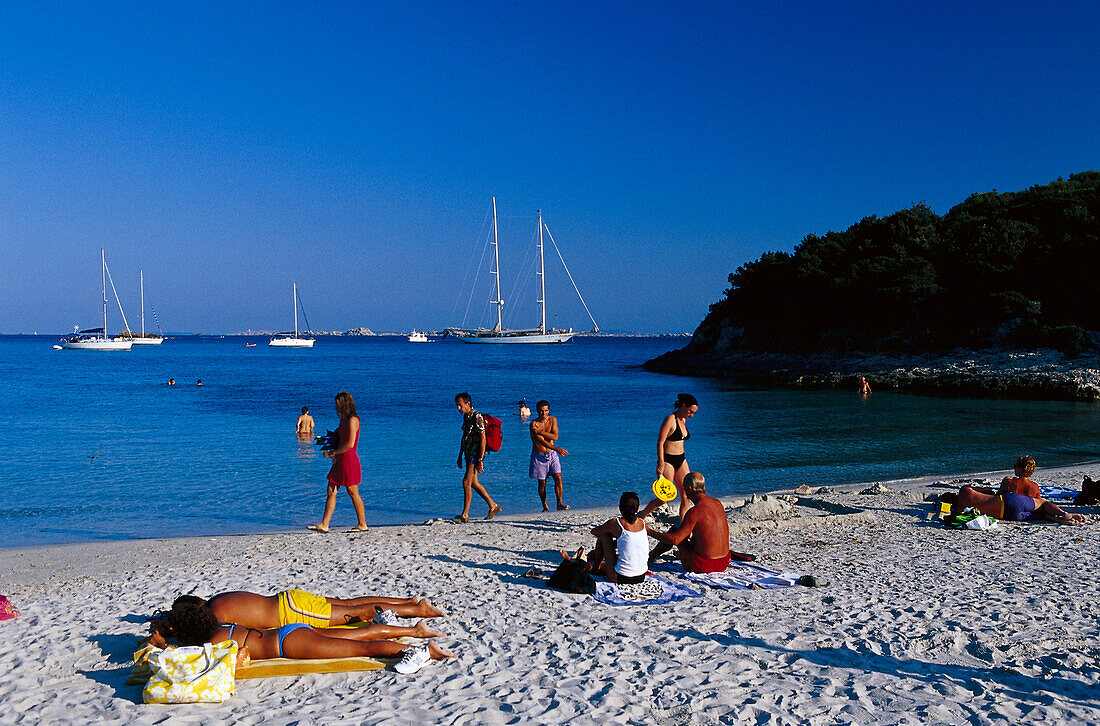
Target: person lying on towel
pixel 703 539
pixel 1012 507
pixel 298 606
pixel 194 623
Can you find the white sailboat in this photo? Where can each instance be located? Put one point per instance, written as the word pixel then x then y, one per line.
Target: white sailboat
pixel 144 338
pixel 498 334
pixel 293 341
pixel 96 338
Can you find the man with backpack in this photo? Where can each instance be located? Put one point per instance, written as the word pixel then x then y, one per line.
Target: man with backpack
pixel 472 449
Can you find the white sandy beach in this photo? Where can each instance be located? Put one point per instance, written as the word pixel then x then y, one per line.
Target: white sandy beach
pixel 921 624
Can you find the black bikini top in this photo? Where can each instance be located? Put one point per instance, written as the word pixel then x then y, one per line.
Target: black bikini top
pixel 677 435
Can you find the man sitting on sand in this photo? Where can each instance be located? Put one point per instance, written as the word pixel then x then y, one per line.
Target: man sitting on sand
pixel 703 539
pixel 251 610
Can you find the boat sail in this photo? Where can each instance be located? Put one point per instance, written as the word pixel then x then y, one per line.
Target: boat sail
pixel 96 338
pixel 498 334
pixel 142 338
pixel 293 341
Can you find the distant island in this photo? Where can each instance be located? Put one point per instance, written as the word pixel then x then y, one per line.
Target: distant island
pixel 997 297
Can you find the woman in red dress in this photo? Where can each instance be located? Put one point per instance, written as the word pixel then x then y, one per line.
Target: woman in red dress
pixel 345 471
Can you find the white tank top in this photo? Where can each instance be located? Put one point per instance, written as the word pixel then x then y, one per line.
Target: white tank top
pixel 632 551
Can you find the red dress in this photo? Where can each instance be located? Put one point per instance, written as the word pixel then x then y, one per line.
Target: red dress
pixel 346 471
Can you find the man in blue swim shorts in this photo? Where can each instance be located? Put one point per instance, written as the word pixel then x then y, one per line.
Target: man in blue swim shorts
pixel 1013 507
pixel 544 454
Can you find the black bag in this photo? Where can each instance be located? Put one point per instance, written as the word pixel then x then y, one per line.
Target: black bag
pixel 572 576
pixel 1090 493
pixel 328 441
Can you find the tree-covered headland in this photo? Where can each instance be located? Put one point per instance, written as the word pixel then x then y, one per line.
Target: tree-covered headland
pixel 1014 269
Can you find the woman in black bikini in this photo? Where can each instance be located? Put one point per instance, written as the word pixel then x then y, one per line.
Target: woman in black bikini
pixel 671 461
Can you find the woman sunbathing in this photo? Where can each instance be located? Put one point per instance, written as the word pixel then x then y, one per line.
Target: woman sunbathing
pixel 194 624
pixel 252 610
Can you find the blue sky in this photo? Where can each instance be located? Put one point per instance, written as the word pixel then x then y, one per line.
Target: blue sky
pixel 229 149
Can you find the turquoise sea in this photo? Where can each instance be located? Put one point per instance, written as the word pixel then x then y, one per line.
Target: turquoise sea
pixel 98 447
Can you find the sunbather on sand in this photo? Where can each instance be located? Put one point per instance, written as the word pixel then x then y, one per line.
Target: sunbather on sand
pixel 195 623
pixel 703 540
pixel 252 610
pixel 1013 507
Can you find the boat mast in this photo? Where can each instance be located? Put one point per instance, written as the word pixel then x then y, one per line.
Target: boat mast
pixel 141 277
pixel 499 301
pixel 294 302
pixel 542 281
pixel 103 271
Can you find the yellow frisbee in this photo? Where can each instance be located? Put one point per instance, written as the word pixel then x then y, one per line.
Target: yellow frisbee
pixel 664 489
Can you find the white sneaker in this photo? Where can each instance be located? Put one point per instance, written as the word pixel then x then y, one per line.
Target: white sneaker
pixel 385 617
pixel 412 660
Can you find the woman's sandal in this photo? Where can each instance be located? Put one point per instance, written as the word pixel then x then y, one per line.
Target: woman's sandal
pixel 493 512
pixel 461 519
pixel 318 528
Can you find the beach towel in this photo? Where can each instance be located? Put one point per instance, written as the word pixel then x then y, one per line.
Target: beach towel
pixel 1057 493
pixel 653 591
pixel 744 576
pixel 143 670
pixel 295 667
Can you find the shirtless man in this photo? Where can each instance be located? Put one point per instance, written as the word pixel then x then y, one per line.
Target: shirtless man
pixel 252 610
pixel 703 539
pixel 1013 507
pixel 305 422
pixel 544 453
pixel 864 387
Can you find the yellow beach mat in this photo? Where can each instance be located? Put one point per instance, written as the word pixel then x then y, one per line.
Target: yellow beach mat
pixel 291 667
pixel 141 672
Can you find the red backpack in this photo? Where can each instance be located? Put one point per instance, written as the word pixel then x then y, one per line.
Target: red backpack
pixel 493 436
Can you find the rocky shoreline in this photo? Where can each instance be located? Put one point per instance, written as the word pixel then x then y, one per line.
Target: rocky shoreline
pixel 1042 375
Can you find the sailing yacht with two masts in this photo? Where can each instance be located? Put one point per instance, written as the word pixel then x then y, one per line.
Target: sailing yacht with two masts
pixel 498 334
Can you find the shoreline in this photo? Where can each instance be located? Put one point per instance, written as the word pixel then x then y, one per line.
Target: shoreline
pixel 1045 375
pixel 901 484
pixel 919 623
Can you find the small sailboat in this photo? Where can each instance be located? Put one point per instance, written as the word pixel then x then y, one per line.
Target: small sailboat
pixel 144 338
pixel 416 337
pixel 287 340
pixel 96 338
pixel 498 334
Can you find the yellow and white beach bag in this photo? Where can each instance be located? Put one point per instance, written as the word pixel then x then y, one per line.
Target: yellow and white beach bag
pixel 192 674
